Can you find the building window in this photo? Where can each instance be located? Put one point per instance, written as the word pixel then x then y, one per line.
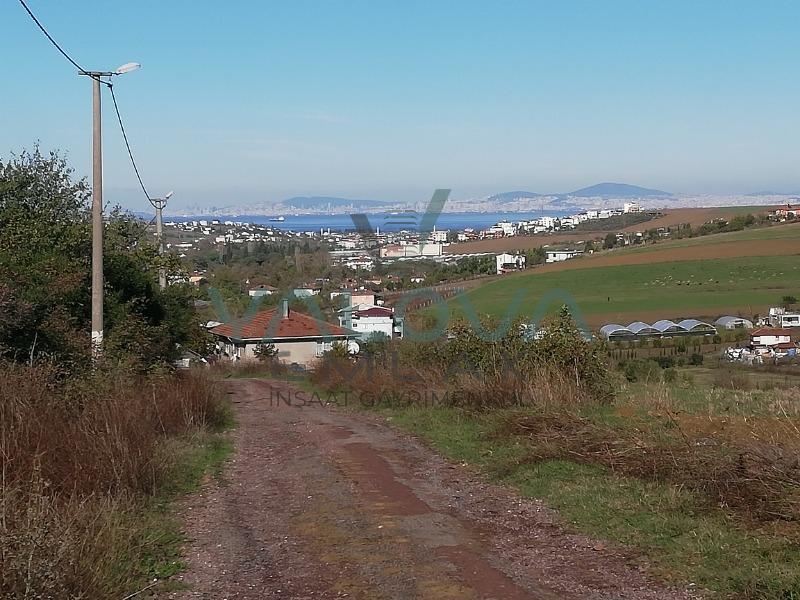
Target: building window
pixel 322 348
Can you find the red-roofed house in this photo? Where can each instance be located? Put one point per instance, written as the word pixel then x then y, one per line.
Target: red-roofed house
pixel 298 337
pixel 766 337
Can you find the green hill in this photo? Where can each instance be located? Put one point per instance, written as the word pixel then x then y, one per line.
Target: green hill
pixel 690 286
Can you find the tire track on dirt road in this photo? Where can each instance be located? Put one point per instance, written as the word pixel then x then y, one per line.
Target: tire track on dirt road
pixel 320 502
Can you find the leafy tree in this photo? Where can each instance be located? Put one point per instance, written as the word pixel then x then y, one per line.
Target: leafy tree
pixel 610 241
pixel 45 250
pixel 45 270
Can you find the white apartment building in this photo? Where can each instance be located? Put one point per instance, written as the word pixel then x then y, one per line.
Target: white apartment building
pixel 552 256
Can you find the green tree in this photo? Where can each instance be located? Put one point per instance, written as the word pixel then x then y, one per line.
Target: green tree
pixel 45 273
pixel 44 256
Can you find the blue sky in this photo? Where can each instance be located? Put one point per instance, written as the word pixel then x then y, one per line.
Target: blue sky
pixel 257 100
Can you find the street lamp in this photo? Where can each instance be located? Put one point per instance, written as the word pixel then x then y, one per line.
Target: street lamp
pixel 97 201
pixel 127 68
pixel 159 204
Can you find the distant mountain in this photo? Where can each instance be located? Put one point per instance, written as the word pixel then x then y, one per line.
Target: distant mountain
pixel 512 196
pixel 617 190
pixel 332 202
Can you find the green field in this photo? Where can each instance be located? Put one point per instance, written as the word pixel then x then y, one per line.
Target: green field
pixel 777 232
pixel 693 288
pixel 679 289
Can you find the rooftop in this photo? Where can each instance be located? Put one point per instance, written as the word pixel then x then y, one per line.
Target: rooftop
pixel 269 324
pixel 771 331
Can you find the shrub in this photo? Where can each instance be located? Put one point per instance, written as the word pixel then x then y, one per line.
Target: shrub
pixel 78 458
pixel 266 352
pixel 665 362
pixel 643 370
pixel 696 359
pixel 513 367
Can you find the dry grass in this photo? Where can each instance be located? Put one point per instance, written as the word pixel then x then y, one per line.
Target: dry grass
pixel 741 462
pixel 248 368
pixel 541 387
pixel 78 461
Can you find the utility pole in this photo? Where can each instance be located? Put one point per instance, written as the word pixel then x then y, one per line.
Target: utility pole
pixel 97 201
pixel 97 219
pixel 159 204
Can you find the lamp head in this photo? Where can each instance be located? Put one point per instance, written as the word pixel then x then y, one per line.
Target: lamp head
pixel 127 68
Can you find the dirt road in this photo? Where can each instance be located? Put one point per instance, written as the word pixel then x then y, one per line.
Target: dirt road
pixel 326 503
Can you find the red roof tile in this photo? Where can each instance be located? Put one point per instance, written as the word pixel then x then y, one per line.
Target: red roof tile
pixel 374 311
pixel 770 331
pixel 268 324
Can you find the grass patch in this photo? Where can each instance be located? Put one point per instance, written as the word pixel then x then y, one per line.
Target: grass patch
pixel 684 537
pixel 689 288
pixel 196 458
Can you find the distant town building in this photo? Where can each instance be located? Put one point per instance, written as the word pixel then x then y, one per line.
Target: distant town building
pixel 439 236
pixel 552 256
pixel 509 262
pixel 789 212
pixel 766 337
pixel 411 250
pixel 780 317
pixel 261 290
pixel 370 320
pixel 305 292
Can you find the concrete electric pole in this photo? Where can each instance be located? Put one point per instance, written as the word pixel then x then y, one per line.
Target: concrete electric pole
pixel 97 201
pixel 160 204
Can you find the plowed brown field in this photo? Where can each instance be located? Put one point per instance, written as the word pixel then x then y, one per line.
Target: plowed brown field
pixel 699 252
pixel 694 216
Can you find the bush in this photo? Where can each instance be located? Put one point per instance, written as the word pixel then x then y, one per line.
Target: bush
pixel 79 458
pixel 665 362
pixel 266 353
pixel 696 359
pixel 513 368
pixel 643 370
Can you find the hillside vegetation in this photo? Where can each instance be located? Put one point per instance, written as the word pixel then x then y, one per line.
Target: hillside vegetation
pixel 703 276
pixel 92 452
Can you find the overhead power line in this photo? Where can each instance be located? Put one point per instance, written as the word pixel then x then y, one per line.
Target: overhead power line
pixel 128 146
pixel 110 87
pixel 52 41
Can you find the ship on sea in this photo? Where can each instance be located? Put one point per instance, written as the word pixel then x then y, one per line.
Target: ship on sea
pixel 277 219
